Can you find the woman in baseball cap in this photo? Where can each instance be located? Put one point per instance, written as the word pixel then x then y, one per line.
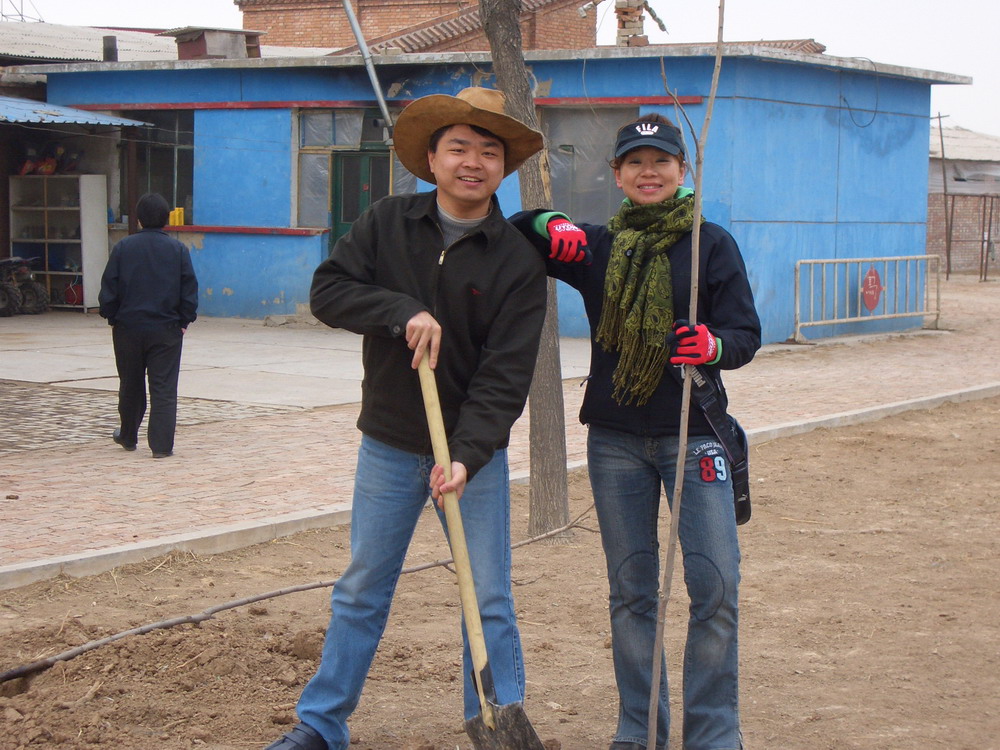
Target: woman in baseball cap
pixel 635 277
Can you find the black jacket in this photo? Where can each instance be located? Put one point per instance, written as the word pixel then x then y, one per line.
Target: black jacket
pixel 725 305
pixel 487 290
pixel 149 283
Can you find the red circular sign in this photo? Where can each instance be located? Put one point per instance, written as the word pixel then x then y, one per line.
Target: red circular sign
pixel 871 289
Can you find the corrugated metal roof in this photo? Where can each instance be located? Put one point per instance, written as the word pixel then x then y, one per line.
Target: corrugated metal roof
pixel 13 109
pixel 965 145
pixel 49 41
pixel 805 46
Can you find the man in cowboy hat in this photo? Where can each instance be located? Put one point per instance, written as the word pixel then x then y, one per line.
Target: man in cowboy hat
pixel 440 275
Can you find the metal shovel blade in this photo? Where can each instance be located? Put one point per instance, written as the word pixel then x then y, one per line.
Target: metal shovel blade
pixel 513 730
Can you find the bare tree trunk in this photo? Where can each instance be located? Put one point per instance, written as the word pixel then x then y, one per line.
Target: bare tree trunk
pixel 549 504
pixel 549 496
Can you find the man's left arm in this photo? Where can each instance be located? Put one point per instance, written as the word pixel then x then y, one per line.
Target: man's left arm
pixel 499 387
pixel 189 291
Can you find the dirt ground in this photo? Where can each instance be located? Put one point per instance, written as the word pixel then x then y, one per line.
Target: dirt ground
pixel 868 619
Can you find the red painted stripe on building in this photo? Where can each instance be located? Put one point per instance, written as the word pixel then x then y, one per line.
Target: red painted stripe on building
pixel 229 105
pixel 576 101
pixel 245 230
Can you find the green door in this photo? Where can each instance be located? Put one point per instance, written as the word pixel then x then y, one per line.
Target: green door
pixel 359 179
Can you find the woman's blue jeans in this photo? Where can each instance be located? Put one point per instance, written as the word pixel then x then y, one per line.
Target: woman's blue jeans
pixel 626 474
pixel 391 488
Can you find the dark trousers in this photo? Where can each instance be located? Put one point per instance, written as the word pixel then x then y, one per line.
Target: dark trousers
pixel 157 354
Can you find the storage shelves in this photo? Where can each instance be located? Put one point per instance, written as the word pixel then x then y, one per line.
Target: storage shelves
pixel 62 219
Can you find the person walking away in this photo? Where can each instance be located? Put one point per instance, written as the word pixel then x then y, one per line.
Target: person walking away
pixel 440 275
pixel 149 296
pixel 635 278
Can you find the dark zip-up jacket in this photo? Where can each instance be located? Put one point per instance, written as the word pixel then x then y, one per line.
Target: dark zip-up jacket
pixel 487 291
pixel 725 305
pixel 149 283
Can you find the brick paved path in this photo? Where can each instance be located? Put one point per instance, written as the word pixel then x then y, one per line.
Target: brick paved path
pixel 38 416
pixel 71 499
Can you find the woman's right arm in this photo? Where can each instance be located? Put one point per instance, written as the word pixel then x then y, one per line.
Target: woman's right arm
pixel 569 255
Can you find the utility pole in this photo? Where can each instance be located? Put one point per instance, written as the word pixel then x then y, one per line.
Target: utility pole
pixel 944 187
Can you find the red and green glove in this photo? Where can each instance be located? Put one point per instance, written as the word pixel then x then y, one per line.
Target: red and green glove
pixel 693 345
pixel 569 242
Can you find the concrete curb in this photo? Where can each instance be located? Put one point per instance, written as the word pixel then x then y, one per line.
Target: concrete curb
pixel 208 541
pixel 213 540
pixel 871 414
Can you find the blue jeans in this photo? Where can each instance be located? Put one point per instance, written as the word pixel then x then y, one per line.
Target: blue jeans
pixel 391 488
pixel 626 473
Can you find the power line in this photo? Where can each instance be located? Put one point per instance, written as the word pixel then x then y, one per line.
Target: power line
pixel 16 12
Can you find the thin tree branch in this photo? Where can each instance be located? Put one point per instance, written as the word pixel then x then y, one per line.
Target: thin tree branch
pixel 678 107
pixel 656 18
pixel 41 665
pixel 675 508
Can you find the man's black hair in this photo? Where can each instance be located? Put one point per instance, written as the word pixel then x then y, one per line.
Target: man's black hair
pixel 153 211
pixel 435 138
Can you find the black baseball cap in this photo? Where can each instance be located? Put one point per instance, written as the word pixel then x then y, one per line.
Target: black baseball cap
pixel 642 133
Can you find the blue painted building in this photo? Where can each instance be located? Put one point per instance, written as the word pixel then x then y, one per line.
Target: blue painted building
pixel 809 156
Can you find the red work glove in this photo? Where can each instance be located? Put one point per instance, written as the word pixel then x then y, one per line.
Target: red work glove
pixel 569 242
pixel 692 345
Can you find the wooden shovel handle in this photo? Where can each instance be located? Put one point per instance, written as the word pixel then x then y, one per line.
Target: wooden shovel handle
pixel 456 535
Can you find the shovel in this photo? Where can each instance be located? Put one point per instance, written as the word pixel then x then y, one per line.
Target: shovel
pixel 496 727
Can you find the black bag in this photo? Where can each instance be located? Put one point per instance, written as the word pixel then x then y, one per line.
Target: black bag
pixel 740 461
pixel 730 434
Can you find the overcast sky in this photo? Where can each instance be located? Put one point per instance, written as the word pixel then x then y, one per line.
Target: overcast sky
pixel 957 36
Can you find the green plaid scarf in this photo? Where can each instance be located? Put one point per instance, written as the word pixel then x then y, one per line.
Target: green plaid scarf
pixel 638 310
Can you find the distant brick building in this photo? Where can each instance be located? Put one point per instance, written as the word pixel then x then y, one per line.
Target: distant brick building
pixel 972 165
pixel 413 25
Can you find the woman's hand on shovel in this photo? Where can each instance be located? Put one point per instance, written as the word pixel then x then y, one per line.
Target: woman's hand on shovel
pixel 459 476
pixel 423 336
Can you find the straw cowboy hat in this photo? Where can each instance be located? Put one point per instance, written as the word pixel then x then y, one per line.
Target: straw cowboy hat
pixel 472 106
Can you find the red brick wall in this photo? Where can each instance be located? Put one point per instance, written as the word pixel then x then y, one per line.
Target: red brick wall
pixel 323 23
pixel 562 28
pixel 968 228
pixel 300 24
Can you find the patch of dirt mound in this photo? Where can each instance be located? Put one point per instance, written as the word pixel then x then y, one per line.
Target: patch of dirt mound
pixel 868 619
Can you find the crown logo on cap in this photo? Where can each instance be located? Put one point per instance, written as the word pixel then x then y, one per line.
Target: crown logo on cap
pixel 647 128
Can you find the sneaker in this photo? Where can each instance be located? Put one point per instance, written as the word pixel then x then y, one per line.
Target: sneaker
pixel 117 437
pixel 302 737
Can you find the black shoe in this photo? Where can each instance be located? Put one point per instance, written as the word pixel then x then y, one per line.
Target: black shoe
pixel 630 746
pixel 117 437
pixel 161 454
pixel 302 737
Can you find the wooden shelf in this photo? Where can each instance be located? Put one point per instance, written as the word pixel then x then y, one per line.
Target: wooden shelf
pixel 50 207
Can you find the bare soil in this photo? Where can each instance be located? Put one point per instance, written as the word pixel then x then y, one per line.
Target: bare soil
pixel 869 619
